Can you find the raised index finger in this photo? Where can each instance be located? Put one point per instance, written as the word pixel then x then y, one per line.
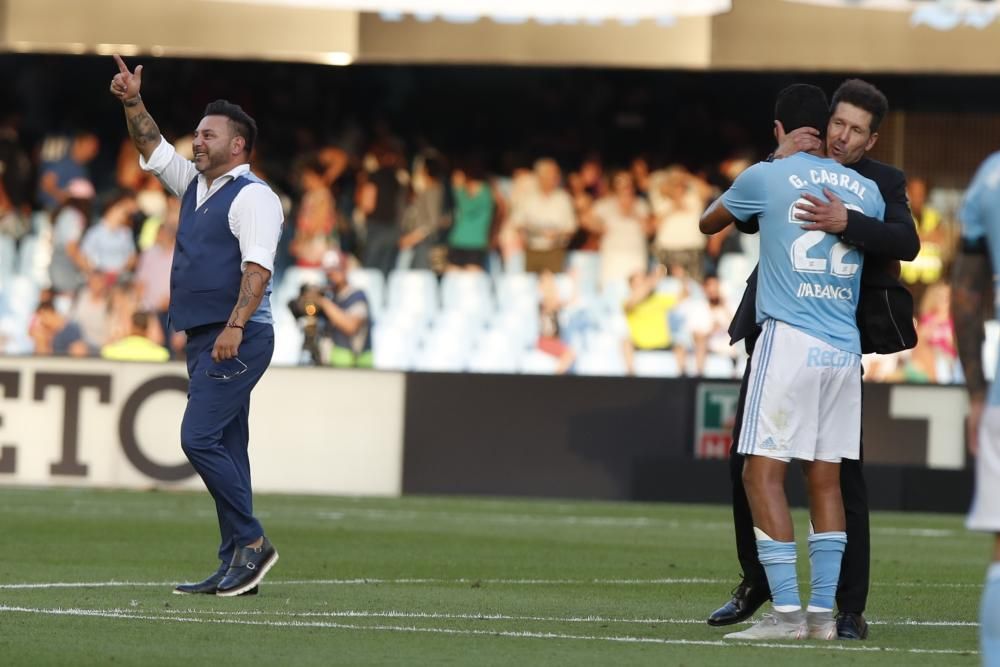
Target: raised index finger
pixel 121 64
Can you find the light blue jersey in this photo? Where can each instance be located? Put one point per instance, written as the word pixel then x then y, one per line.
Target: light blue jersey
pixel 807 279
pixel 980 217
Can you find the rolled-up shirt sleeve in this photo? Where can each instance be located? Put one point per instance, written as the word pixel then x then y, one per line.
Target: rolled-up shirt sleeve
pixel 255 219
pixel 174 171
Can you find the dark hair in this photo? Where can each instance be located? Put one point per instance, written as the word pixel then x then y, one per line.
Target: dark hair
pixel 140 320
pixel 864 96
pixel 313 165
pixel 240 121
pixel 802 105
pixel 115 197
pixel 435 166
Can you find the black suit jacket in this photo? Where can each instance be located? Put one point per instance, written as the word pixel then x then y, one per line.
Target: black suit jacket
pixel 882 244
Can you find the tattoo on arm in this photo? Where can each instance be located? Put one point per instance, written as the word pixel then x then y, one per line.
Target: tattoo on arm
pixel 144 132
pixel 971 286
pixel 251 293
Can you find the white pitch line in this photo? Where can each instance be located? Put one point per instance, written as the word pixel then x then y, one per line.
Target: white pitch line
pixel 506 617
pixel 457 632
pixel 460 581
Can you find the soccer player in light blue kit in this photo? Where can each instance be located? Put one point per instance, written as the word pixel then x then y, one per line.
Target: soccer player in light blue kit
pixel 971 281
pixel 804 400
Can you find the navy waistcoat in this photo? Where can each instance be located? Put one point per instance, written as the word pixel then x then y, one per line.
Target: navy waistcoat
pixel 206 272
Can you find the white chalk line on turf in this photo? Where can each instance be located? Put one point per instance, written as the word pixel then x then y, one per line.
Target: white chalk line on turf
pixel 506 617
pixel 459 581
pixel 518 634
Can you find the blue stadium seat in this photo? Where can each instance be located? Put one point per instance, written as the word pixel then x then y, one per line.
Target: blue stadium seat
pixel 467 291
pixel 537 362
pixel 22 295
pixel 718 366
pixel 655 363
pixel 587 268
pixel 287 339
pixel 372 283
pixel 393 348
pixel 414 290
pixel 734 268
pixel 8 259
pixel 496 353
pixel 517 290
pixel 990 348
pixel 521 326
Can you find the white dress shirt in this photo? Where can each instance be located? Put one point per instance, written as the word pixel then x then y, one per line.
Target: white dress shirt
pixel 255 215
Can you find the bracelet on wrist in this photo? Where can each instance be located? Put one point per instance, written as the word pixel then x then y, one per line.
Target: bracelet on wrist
pixel 233 325
pixel 132 101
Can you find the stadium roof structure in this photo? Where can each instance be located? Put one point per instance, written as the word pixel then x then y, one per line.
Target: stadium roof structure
pixel 858 36
pixel 513 10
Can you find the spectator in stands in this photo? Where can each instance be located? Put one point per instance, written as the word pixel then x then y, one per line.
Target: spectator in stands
pixel 137 346
pixel 381 198
pixel 592 174
pixel 678 205
pixel 709 320
pixel 927 267
pixel 476 206
pixel 347 314
pixel 729 240
pixel 639 170
pixel 316 219
pixel 52 333
pixel 69 266
pixel 109 246
pixel 917 365
pixel 588 234
pixel 546 221
pixel 91 310
pixel 626 225
pixel 550 340
pixel 937 326
pixel 425 215
pixel 647 313
pixel 62 160
pixel 152 276
pixel 15 181
pixel 123 304
pixel 515 192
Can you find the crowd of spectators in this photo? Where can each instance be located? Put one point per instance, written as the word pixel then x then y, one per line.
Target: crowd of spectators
pixel 617 260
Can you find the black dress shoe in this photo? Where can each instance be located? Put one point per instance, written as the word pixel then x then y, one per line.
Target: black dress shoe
pixel 209 586
pixel 747 599
pixel 851 626
pixel 248 567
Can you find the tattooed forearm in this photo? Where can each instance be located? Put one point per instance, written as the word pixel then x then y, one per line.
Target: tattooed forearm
pixel 144 132
pixel 972 292
pixel 251 293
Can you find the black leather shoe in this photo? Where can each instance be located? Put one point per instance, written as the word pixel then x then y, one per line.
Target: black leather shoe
pixel 248 567
pixel 209 586
pixel 747 599
pixel 851 626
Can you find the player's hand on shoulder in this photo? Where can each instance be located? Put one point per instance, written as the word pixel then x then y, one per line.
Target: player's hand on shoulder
pixel 798 140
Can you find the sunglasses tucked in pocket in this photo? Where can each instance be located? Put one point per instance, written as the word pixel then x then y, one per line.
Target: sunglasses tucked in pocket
pixel 226 369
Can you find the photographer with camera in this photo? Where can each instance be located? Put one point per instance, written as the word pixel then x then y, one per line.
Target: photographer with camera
pixel 335 318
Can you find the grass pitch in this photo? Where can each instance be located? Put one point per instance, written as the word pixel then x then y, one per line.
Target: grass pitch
pixel 85 579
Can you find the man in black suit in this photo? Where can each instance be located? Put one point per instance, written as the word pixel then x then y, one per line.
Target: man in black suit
pixel 885 316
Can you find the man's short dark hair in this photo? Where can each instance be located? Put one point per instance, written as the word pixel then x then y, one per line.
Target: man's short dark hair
pixel 802 105
pixel 864 96
pixel 140 320
pixel 240 121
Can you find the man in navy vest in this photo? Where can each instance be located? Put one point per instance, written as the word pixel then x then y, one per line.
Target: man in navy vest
pixel 220 283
